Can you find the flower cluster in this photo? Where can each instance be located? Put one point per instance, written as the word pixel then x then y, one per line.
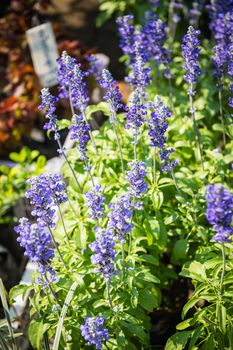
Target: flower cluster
pixel 154 38
pixel 120 217
pixel 48 101
pixel 219 211
pixel 104 249
pixel 46 192
pixel 80 132
pixel 190 52
pixel 157 128
pixel 135 176
pixel 93 332
pixel 135 112
pixel 94 201
pixel 71 80
pixel 157 123
pixel 195 12
pixel 96 66
pixel 36 240
pixel 112 95
pixel 127 35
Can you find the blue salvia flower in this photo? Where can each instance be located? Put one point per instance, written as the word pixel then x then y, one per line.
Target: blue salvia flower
pixel 80 133
pixel 93 331
pixel 104 249
pixel 219 60
pixel 154 38
pixel 154 3
pixel 136 111
pixel 157 127
pixel 120 217
pixel 46 192
pixel 217 9
pixel 139 77
pixel 112 95
pixel 230 70
pixel 219 211
pixel 71 80
pixel 138 186
pixel 166 164
pixel 190 52
pixel 36 240
pixel 127 35
pixel 94 201
pixel 157 123
pixel 96 66
pixel 48 102
pixel 195 12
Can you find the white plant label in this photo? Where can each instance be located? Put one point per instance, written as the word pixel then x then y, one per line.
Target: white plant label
pixel 44 53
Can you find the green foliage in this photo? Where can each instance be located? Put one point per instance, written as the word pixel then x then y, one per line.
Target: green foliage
pixel 13 180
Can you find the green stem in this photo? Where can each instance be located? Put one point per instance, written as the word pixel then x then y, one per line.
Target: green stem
pixel 69 165
pixel 51 289
pixel 89 172
pixel 56 246
pixel 154 165
pixel 171 95
pixel 90 134
pixel 123 259
pixel 221 115
pixel 196 131
pixel 108 294
pixel 135 144
pixel 223 267
pixel 63 224
pixel 118 144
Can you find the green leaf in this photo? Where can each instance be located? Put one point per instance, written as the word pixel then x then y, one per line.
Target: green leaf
pixel 194 270
pixel 180 249
pixel 178 341
pixel 136 331
pixel 148 300
pixel 157 198
pixel 20 289
pixel 63 123
pixel 35 333
pixel 189 305
pixel 102 106
pixel 185 324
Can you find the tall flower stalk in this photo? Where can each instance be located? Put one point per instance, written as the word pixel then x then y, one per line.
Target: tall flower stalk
pixel 48 102
pixel 113 97
pixel 190 52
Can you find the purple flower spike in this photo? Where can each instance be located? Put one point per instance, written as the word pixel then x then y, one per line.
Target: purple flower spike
pixel 167 165
pixel 136 176
pixel 46 193
pixel 80 132
pixel 190 51
pixel 127 35
pixel 112 95
pixel 219 211
pixel 104 249
pixel 71 81
pixel 96 66
pixel 135 112
pixel 93 332
pixel 36 240
pixel 157 123
pixel 48 102
pixel 94 201
pixel 120 217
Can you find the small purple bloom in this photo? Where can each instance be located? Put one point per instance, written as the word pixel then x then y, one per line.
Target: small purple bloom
pixel 96 66
pixel 120 217
pixel 136 111
pixel 80 133
pixel 219 211
pixel 94 201
pixel 190 52
pixel 46 192
pixel 136 176
pixel 167 165
pixel 127 35
pixel 93 332
pixel 48 102
pixel 36 240
pixel 104 249
pixel 112 95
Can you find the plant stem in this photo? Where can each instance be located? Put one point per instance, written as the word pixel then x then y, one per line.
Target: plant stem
pixel 123 259
pixel 63 224
pixel 175 183
pixel 89 172
pixel 154 165
pixel 196 131
pixel 221 115
pixel 51 289
pixel 56 246
pixel 118 144
pixel 68 163
pixel 171 95
pixel 108 293
pixel 90 134
pixel 135 144
pixel 223 267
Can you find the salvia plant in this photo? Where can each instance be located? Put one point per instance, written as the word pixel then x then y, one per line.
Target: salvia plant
pixel 142 204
